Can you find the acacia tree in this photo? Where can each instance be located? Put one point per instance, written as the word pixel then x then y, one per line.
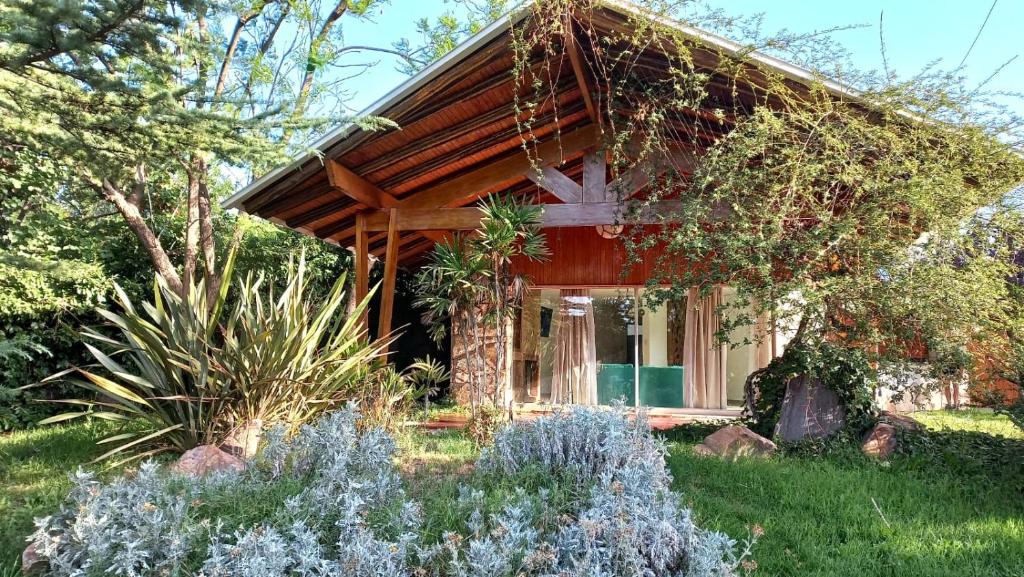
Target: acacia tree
pixel 843 208
pixel 153 104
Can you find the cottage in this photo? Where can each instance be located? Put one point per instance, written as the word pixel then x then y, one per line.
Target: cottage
pixel 583 335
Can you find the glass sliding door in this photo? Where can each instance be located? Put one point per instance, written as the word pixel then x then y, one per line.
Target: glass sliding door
pixel 615 344
pixel 599 345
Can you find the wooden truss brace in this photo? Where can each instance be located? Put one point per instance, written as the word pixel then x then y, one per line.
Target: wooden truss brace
pixel 459 190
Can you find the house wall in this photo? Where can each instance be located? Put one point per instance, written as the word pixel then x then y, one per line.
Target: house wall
pixel 581 257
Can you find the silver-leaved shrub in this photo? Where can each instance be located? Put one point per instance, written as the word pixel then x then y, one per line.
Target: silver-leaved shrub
pixel 337 507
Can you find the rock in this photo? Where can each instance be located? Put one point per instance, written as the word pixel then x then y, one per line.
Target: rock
pixel 809 409
pixel 735 441
pixel 901 421
pixel 244 440
pixel 206 459
pixel 880 441
pixel 32 563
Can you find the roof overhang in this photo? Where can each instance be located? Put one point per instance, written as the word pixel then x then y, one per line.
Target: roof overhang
pixel 379 108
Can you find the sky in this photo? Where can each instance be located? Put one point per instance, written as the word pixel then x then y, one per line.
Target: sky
pixel 917 32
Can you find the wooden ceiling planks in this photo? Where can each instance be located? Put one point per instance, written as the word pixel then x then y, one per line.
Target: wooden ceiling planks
pixel 458 138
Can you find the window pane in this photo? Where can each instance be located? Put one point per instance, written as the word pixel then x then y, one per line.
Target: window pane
pixel 615 343
pixel 661 369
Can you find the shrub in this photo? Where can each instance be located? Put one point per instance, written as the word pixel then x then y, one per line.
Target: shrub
pixel 843 370
pixel 328 500
pixel 192 371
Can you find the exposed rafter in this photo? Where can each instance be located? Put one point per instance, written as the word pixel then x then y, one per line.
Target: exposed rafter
pixel 356 187
pixel 572 46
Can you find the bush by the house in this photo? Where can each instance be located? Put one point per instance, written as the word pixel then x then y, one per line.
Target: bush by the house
pixel 329 500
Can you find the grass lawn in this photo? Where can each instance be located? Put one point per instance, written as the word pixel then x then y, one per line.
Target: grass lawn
pixel 959 510
pixel 34 467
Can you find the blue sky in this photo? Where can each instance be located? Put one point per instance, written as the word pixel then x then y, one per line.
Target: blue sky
pixel 917 32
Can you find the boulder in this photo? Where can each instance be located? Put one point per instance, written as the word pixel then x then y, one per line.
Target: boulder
pixel 244 440
pixel 206 459
pixel 32 563
pixel 809 410
pixel 735 441
pixel 880 441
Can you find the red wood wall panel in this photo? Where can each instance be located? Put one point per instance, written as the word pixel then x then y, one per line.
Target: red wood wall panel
pixel 580 256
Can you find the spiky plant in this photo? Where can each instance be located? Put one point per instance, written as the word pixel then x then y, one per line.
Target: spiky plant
pixel 189 376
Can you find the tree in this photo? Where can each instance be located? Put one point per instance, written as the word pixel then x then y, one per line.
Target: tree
pixel 155 106
pixel 468 280
pixel 508 230
pixel 813 203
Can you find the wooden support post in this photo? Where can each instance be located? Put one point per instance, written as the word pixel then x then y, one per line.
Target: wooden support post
pixel 362 259
pixel 387 295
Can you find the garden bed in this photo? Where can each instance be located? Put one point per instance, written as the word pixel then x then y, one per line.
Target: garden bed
pixel 836 513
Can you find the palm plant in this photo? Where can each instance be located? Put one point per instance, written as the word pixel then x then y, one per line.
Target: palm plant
pixel 508 229
pixel 450 288
pixel 469 281
pixel 191 378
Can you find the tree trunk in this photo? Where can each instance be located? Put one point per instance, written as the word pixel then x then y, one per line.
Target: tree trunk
pixel 149 241
pixel 191 225
pixel 208 243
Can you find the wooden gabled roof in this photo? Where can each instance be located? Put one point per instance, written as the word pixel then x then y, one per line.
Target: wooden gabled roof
pixel 458 138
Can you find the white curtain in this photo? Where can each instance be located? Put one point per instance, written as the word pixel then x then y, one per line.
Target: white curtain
pixel 574 378
pixel 704 360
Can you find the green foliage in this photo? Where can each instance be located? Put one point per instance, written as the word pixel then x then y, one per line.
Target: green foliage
pixel 842 370
pixel 846 207
pixel 485 423
pixel 468 280
pixel 389 395
pixel 192 372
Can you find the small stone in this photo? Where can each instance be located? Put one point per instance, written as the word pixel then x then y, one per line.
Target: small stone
pixel 880 441
pixel 32 563
pixel 205 459
pixel 735 441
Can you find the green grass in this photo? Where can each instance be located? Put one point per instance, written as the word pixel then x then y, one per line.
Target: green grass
pixel 34 468
pixel 958 509
pixel 977 420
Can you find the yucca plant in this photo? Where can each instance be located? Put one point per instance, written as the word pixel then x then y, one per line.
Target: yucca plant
pixel 286 361
pixel 191 377
pixel 161 374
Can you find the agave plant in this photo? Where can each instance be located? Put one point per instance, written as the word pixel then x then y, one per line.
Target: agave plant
pixel 191 377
